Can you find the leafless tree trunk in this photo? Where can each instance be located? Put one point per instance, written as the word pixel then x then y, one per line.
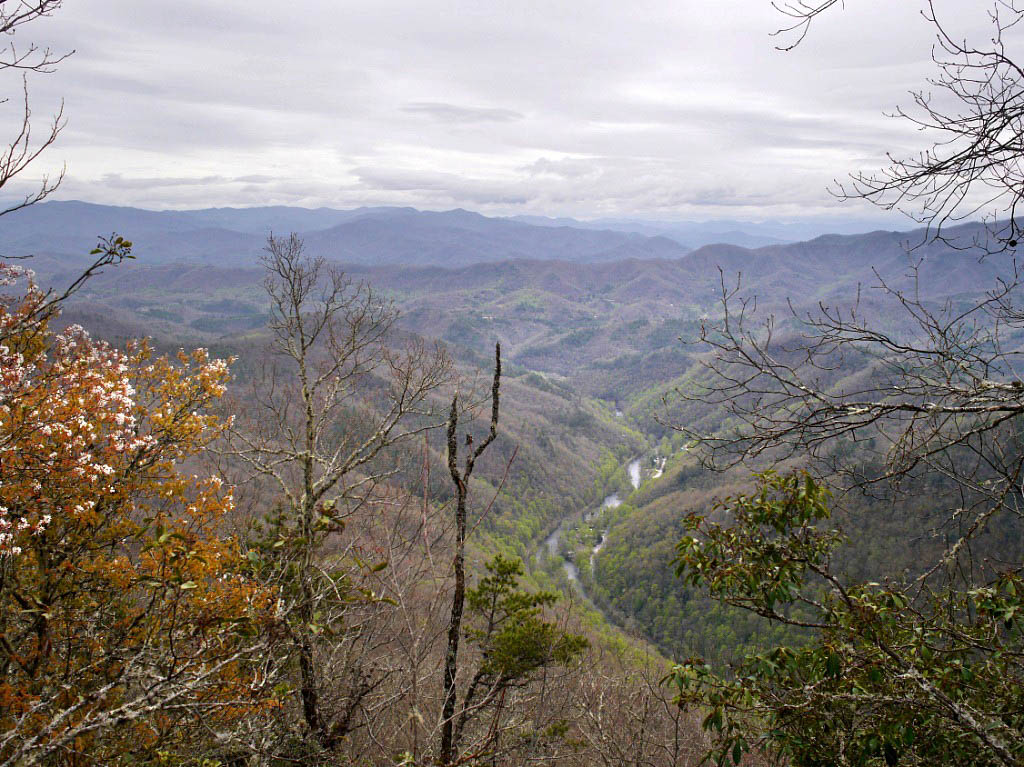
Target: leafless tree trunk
pixel 461 482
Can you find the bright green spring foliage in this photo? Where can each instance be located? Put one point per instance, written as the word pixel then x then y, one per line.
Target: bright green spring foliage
pixel 889 675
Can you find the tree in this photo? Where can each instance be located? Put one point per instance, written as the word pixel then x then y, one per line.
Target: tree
pixel 22 151
pixel 333 398
pixel 884 678
pixel 128 627
pixel 918 412
pixel 972 110
pixel 514 642
pixel 800 14
pixel 460 480
pixel 921 407
pixel 127 623
pixel 628 715
pixel 940 392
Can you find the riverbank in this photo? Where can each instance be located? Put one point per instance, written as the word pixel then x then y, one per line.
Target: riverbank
pixel 551 544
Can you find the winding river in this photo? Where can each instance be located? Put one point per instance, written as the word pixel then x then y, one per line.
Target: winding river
pixel 572 572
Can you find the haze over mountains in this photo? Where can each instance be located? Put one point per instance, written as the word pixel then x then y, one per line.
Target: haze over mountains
pixel 568 260
pixel 748 234
pixel 235 237
pixel 604 309
pixel 377 236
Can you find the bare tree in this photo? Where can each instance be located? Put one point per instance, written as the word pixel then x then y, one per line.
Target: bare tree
pixel 628 715
pixel 332 399
pixel 22 149
pixel 460 479
pixel 800 14
pixel 416 539
pixel 940 391
pixel 972 111
pixel 935 390
pixel 901 394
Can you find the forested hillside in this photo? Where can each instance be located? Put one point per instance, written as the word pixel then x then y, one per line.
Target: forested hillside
pixel 395 483
pixel 598 356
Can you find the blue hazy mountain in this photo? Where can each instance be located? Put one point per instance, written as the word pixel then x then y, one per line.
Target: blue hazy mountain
pixel 235 236
pixel 746 234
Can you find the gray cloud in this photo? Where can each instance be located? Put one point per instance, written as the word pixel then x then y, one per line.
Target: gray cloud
pixel 441 186
pixel 117 181
pixel 461 114
pixel 675 109
pixel 567 168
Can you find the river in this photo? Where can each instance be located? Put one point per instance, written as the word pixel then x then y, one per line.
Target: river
pixel 634 473
pixel 572 572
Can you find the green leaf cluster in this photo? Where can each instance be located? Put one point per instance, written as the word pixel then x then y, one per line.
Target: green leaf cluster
pixel 914 675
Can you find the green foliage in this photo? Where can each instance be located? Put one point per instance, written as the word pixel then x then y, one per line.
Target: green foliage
pixel 633 582
pixel 890 676
pixel 507 624
pixel 774 533
pixel 579 337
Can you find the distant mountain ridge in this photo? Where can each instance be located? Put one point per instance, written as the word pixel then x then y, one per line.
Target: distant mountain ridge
pixel 554 315
pixel 827 267
pixel 63 231
pixel 379 235
pixel 60 234
pixel 747 234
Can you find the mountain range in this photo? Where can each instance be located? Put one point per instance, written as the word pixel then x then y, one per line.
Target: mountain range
pixel 597 329
pixel 373 236
pixel 605 310
pixel 236 236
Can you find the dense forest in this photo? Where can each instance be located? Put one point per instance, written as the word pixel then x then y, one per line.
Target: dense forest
pixel 436 488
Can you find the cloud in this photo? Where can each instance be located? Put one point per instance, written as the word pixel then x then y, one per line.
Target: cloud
pixel 443 186
pixel 117 181
pixel 567 168
pixel 459 114
pixel 675 109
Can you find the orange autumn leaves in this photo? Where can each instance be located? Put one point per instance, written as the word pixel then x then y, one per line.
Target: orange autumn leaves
pixel 125 611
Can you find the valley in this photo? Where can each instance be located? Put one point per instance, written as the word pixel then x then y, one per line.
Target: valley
pixel 598 351
pixel 551 547
pixel 512 385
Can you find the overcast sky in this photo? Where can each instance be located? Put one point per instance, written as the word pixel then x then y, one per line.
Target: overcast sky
pixel 670 109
